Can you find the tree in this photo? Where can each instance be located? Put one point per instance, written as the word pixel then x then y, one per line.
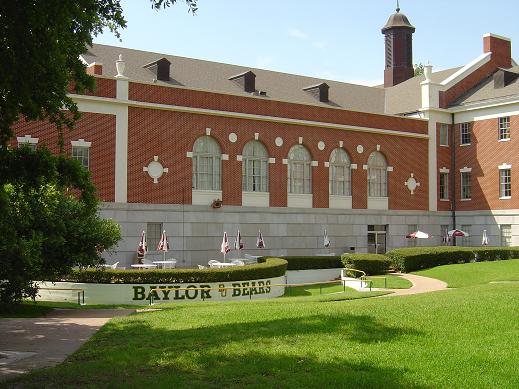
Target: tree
pixel 49 221
pixel 418 69
pixel 40 44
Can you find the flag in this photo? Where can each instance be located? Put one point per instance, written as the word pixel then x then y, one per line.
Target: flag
pixel 163 244
pixel 142 249
pixel 225 244
pixel 260 243
pixel 238 244
pixel 326 241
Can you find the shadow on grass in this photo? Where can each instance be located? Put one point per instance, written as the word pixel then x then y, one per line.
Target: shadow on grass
pixel 289 352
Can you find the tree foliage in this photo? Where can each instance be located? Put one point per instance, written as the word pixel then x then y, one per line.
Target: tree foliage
pixel 418 69
pixel 40 44
pixel 48 220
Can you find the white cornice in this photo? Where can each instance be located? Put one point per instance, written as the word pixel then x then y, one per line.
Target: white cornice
pixel 466 70
pixel 263 118
pixel 488 103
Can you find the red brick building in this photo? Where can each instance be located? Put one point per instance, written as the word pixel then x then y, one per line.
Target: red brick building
pixel 166 136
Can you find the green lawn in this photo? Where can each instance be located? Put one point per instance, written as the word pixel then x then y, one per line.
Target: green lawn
pixel 467 274
pixel 391 282
pixel 462 338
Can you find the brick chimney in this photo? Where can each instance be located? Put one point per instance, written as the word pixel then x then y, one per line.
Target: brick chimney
pixel 501 49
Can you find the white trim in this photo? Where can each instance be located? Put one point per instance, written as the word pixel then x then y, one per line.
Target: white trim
pixel 299 200
pixel 380 203
pixel 272 160
pixel 255 199
pixel 378 147
pixel 256 135
pixel 466 199
pixel 504 140
pixel 189 154
pixel 504 166
pixel 489 34
pixel 285 161
pixel 341 143
pixel 27 139
pixel 353 166
pixel 80 143
pixel 273 119
pixel 121 156
pixel 466 170
pixel 121 86
pixel 365 167
pixel 225 157
pixel 300 140
pixel 465 144
pixel 326 164
pixel 239 158
pixel 389 168
pixel 466 70
pixel 505 198
pixel 444 170
pixel 204 197
pixel 339 202
pixel 208 131
pixel 315 163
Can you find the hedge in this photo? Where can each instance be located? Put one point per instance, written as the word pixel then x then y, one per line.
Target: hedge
pixel 410 259
pixel 371 264
pixel 297 262
pixel 270 268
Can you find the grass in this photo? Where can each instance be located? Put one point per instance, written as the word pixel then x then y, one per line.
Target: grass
pixel 477 273
pixel 392 282
pixel 462 338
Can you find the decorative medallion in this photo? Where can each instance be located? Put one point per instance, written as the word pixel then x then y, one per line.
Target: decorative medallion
pixel 360 149
pixel 412 184
pixel 155 169
pixel 321 145
pixel 233 137
pixel 279 141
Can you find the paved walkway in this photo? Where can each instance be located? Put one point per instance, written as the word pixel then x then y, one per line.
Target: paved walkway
pixel 35 343
pixel 420 285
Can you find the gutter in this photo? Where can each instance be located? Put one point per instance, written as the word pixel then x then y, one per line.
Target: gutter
pixel 453 178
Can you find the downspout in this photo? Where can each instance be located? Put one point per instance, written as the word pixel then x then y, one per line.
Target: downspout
pixel 453 178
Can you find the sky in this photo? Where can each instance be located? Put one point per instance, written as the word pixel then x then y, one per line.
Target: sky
pixel 333 39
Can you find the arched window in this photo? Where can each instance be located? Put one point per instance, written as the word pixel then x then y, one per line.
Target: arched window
pixel 340 173
pixel 255 167
pixel 299 170
pixel 377 175
pixel 206 164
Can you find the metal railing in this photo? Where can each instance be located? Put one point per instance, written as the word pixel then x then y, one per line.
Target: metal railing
pixel 80 293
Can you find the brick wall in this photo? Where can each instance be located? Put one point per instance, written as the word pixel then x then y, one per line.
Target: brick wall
pixel 484 155
pixel 96 128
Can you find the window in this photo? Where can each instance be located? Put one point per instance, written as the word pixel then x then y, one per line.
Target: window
pixel 504 128
pixel 506 234
pixel 153 233
pixel 411 228
pixel 444 135
pixel 82 154
pixel 465 241
pixel 27 141
pixel 340 173
pixel 465 185
pixel 505 183
pixel 465 133
pixel 444 186
pixel 31 146
pixel 377 175
pixel 206 164
pixel 255 167
pixel 299 170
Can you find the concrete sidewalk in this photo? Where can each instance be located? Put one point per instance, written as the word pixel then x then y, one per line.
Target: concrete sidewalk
pixel 420 285
pixel 35 343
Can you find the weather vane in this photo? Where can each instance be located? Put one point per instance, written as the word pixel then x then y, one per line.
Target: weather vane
pixel 397 6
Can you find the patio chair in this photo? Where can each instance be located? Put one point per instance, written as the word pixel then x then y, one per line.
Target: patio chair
pixel 238 262
pixel 114 266
pixel 213 262
pixel 201 267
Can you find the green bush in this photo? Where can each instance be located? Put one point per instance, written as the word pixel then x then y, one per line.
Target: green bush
pixel 269 268
pixel 410 259
pixel 298 262
pixel 371 264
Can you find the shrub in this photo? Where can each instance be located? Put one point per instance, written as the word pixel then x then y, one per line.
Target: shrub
pixel 271 267
pixel 495 253
pixel 297 262
pixel 371 264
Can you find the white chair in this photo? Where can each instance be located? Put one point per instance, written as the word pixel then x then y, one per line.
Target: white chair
pixel 213 263
pixel 113 266
pixel 238 262
pixel 201 267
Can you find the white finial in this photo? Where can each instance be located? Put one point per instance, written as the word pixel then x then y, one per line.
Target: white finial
pixel 120 65
pixel 427 71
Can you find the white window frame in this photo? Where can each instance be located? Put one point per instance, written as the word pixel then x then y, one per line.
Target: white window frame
pixel 255 168
pixel 27 141
pixel 339 186
pixel 214 159
pixel 153 234
pixel 466 187
pixel 504 128
pixel 444 135
pixel 445 197
pixel 465 133
pixel 299 172
pixel 377 176
pixel 505 182
pixel 81 145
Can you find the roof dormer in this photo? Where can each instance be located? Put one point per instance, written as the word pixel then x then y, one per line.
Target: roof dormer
pixel 504 77
pixel 160 69
pixel 245 80
pixel 319 91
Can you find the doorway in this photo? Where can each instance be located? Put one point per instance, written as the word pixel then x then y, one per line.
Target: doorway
pixel 377 239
